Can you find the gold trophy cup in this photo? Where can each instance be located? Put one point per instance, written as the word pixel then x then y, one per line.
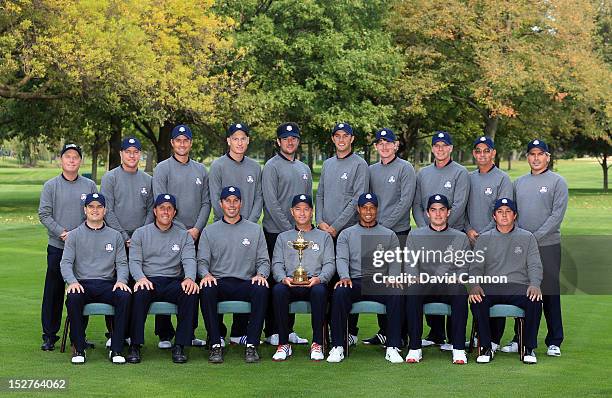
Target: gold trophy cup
pixel 300 277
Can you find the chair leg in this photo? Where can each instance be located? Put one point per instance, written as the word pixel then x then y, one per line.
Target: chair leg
pixel 472 335
pixel 65 334
pixel 346 339
pixel 521 342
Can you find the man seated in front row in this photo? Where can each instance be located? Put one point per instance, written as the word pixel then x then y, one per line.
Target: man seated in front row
pixel 95 267
pixel 233 263
pixel 349 252
pixel 163 264
pixel 318 262
pixel 512 252
pixel 436 238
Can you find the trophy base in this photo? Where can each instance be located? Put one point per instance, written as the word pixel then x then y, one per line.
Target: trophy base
pixel 307 282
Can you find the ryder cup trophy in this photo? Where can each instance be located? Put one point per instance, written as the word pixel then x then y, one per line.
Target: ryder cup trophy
pixel 300 277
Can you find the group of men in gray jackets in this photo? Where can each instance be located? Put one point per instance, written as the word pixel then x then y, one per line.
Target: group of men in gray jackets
pixel 143 239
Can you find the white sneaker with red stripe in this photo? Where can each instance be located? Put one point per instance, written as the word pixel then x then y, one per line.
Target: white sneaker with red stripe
pixel 316 352
pixel 459 357
pixel 282 352
pixel 414 356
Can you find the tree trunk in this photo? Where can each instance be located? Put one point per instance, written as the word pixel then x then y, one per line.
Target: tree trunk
pixel 310 156
pixel 604 166
pixel 510 160
pixel 149 164
pixel 114 144
pixel 491 124
pixel 268 150
pixel 163 148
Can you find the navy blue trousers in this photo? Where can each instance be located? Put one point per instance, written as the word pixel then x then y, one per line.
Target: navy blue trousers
pixel 98 291
pixel 170 290
pixel 53 295
pixel 454 295
pixel 515 296
pixel 342 301
pixel 234 289
pixel 282 295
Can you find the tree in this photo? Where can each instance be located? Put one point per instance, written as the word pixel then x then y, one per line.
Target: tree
pixel 503 59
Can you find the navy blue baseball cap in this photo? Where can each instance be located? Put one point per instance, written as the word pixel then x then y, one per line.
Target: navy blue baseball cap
pixel 438 198
pixel 344 127
pixel 302 198
pixel 165 198
pixel 95 197
pixel 131 142
pixel 238 127
pixel 181 129
pixel 441 136
pixel 537 144
pixel 229 191
pixel 484 140
pixel 504 202
pixel 367 197
pixel 385 134
pixel 68 147
pixel 288 130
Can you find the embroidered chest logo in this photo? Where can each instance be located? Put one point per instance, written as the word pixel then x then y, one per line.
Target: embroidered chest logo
pixel 450 248
pixel 175 248
pixel 391 180
pixel 198 181
pixel 246 242
pixel 315 247
pixel 108 247
pixel 304 176
pixel 344 176
pixel 488 191
pixel 543 189
pixel 448 185
pixel 250 179
pixel 143 191
pixel 380 247
pixel 83 196
pixel 518 250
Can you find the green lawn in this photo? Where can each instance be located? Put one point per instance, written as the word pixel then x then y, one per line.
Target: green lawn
pixel 583 370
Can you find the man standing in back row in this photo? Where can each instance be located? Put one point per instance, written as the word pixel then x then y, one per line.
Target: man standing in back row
pixel 236 169
pixel 283 177
pixel 448 178
pixel 61 210
pixel 187 181
pixel 541 200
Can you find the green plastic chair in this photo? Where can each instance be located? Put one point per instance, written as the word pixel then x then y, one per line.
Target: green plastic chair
pixel 363 307
pixel 437 309
pixel 503 311
pixel 88 309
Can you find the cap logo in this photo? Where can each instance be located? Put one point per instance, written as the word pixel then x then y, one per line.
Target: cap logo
pixel 95 195
pixel 441 135
pixel 181 129
pixel 504 201
pixel 239 126
pixel 289 128
pixel 438 197
pixel 368 196
pixel 232 189
pixel 302 197
pixel 71 146
pixel 383 133
pixel 341 125
pixel 131 141
pixel 483 139
pixel 536 142
pixel 167 197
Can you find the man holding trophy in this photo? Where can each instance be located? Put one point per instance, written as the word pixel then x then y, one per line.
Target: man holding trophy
pixel 303 263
